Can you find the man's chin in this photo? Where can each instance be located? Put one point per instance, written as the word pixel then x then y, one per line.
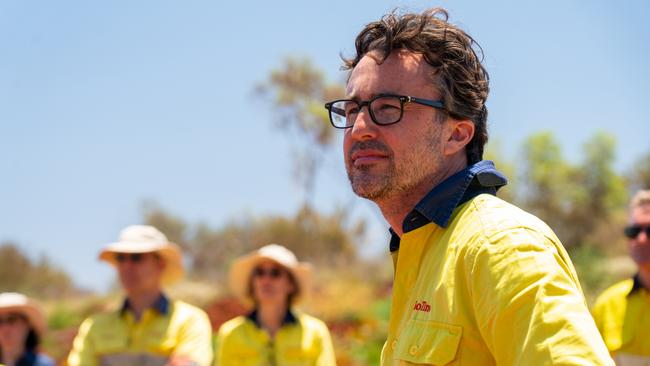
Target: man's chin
pixel 369 193
pixel 369 188
pixel 642 260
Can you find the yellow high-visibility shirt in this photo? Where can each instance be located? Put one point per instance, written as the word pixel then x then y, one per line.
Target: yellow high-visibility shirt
pixel 495 287
pixel 622 314
pixel 305 341
pixel 115 338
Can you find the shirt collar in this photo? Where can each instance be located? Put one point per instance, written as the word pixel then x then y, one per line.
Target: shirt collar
pixel 27 359
pixel 161 305
pixel 439 204
pixel 636 285
pixel 289 318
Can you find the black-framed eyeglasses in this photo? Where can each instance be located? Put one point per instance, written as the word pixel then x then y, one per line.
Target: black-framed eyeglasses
pixel 274 272
pixel 385 109
pixel 633 231
pixel 11 319
pixel 129 257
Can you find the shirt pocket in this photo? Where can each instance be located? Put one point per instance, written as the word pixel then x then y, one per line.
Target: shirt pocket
pixel 296 356
pixel 109 342
pixel 428 342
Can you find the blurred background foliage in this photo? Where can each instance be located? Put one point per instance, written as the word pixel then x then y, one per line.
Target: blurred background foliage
pixel 584 202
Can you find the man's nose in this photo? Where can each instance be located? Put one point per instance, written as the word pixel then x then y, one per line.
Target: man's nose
pixel 364 127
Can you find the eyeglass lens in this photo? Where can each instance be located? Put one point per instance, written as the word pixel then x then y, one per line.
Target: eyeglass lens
pixel 274 272
pixel 633 231
pixel 10 319
pixel 124 257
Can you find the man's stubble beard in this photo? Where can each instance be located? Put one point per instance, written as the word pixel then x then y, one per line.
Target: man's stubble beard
pixel 397 180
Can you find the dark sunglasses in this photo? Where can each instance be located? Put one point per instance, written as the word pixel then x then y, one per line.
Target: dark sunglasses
pixel 633 231
pixel 11 319
pixel 274 272
pixel 126 257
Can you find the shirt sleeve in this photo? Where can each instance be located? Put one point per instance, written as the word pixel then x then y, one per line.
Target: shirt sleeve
pixel 528 303
pixel 195 339
pixel 83 353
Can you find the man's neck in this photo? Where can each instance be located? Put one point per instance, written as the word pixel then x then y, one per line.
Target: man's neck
pixel 142 301
pixel 398 206
pixel 271 316
pixel 395 209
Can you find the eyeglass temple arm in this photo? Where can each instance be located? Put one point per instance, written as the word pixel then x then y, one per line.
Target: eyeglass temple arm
pixel 430 103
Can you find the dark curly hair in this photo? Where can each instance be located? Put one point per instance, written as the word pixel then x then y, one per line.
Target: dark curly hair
pixel 460 78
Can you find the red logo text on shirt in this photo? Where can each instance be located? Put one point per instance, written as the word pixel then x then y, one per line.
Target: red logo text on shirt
pixel 422 306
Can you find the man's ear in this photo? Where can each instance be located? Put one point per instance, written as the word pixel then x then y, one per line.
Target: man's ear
pixel 460 133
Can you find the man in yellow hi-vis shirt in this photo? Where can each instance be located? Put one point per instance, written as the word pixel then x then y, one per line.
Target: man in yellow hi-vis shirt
pixel 477 280
pixel 149 329
pixel 622 312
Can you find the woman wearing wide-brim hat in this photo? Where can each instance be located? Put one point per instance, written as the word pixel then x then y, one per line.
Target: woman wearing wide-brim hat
pixel 22 326
pixel 271 281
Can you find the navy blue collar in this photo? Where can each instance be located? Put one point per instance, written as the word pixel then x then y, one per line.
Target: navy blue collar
pixel 289 318
pixel 439 204
pixel 636 285
pixel 161 305
pixel 27 359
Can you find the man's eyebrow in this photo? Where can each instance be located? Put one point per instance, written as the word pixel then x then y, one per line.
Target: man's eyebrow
pixel 373 95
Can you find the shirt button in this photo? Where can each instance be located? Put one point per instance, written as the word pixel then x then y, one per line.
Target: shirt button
pixel 393 344
pixel 413 350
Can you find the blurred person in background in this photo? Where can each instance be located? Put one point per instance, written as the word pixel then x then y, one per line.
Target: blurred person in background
pixel 271 281
pixel 22 325
pixel 622 312
pixel 477 281
pixel 149 329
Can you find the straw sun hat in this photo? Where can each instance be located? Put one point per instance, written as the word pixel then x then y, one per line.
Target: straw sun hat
pixel 18 303
pixel 242 268
pixel 147 239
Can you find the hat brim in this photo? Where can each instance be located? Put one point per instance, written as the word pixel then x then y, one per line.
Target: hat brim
pixel 242 269
pixel 34 316
pixel 170 252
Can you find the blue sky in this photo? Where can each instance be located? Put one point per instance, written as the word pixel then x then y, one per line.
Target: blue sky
pixel 106 104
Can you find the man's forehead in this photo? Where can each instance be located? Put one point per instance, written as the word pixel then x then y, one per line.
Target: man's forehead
pixel 641 213
pixel 401 69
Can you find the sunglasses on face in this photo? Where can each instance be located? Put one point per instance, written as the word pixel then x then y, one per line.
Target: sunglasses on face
pixel 11 319
pixel 633 231
pixel 129 257
pixel 274 272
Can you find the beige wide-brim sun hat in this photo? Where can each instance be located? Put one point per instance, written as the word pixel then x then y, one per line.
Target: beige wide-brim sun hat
pixel 147 239
pixel 18 303
pixel 242 269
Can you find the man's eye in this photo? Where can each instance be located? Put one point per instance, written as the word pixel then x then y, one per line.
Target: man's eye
pixel 351 110
pixel 388 107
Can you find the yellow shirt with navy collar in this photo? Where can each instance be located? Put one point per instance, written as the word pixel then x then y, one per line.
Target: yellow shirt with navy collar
pixel 493 286
pixel 622 314
pixel 301 341
pixel 169 328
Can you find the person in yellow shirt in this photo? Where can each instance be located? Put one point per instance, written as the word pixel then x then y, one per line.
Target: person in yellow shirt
pixel 477 281
pixel 149 329
pixel 271 282
pixel 622 312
